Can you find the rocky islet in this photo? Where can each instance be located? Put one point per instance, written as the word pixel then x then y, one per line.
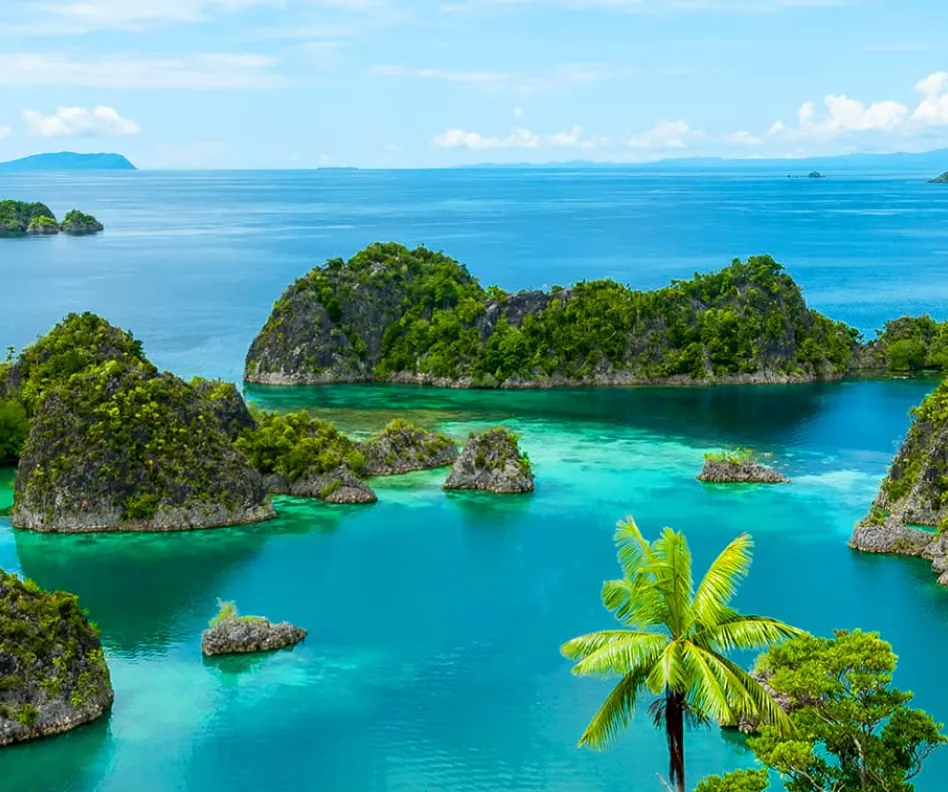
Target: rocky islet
pixel 21 218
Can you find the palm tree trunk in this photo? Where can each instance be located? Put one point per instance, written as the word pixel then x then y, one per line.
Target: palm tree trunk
pixel 675 734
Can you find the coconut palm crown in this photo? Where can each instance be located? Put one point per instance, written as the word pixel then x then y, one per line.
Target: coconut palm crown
pixel 672 648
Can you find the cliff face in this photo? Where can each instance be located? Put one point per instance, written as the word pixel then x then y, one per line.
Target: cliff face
pixel 122 448
pixel 393 314
pixel 914 492
pixel 53 676
pixel 402 448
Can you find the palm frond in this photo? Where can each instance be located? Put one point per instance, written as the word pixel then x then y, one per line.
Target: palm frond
pixel 636 604
pixel 736 631
pixel 668 672
pixel 672 572
pixel 632 549
pixel 614 714
pixel 712 692
pixel 720 582
pixel 615 653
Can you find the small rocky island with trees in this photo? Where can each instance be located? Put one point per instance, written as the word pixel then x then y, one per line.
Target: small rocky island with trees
pixel 19 218
pixel 736 467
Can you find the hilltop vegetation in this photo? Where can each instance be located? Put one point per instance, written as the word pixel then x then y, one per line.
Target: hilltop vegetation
pixel 19 218
pixel 390 313
pixel 908 345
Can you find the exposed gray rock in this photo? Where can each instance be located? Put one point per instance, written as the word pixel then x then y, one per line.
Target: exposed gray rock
pixel 492 462
pixel 246 634
pixel 228 405
pixel 337 486
pixel 728 471
pixel 889 536
pixel 402 448
pixel 53 676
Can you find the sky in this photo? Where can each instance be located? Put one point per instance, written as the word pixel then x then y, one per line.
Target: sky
pixel 439 83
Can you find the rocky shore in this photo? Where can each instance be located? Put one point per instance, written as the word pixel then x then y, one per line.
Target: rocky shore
pixel 53 676
pixel 890 536
pixel 339 486
pixel 402 448
pixel 492 462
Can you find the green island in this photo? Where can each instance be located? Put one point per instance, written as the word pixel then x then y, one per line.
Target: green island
pixel 390 314
pixel 914 492
pixel 492 461
pixel 230 633
pixel 739 465
pixel 942 179
pixel 19 218
pixel 53 675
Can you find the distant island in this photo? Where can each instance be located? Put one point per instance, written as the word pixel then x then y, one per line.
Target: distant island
pixel 20 218
pixel 943 179
pixel 816 175
pixel 67 161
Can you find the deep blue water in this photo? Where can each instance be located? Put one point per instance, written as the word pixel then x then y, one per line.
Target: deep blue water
pixel 432 661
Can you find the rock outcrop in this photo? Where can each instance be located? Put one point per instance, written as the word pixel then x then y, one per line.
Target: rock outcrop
pixel 492 462
pixel 914 492
pixel 237 634
pixel 414 316
pixel 724 469
pixel 401 448
pixel 228 405
pixel 76 223
pixel 53 676
pixel 339 486
pixel 121 447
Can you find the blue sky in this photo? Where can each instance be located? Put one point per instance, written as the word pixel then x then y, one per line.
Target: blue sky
pixel 430 83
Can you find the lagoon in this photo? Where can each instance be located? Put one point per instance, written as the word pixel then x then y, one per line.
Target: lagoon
pixel 434 620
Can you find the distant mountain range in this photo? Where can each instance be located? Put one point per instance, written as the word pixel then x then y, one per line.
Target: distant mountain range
pixel 67 161
pixel 926 161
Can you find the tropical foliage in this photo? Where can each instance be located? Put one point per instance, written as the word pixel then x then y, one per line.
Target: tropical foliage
pixel 852 729
pixel 913 343
pixel 673 643
pixel 14 426
pixel 295 444
pixel 390 311
pixel 738 781
pixel 16 216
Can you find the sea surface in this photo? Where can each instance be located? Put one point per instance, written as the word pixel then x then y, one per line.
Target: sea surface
pixel 435 620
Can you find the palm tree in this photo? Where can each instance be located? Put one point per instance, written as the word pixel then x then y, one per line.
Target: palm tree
pixel 674 644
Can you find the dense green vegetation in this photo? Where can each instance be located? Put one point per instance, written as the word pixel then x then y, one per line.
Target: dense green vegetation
pixel 119 436
pixel 390 311
pixel 14 426
pixel 16 216
pixel 401 446
pixel 674 642
pixel 911 344
pixel 918 454
pixel 293 445
pixel 738 781
pixel 76 344
pixel 851 729
pixel 46 645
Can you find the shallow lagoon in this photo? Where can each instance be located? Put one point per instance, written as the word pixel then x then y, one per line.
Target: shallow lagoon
pixel 435 620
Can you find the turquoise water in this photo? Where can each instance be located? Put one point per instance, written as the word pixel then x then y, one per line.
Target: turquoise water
pixel 434 621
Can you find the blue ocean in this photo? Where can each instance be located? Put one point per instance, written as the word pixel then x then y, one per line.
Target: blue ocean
pixel 435 621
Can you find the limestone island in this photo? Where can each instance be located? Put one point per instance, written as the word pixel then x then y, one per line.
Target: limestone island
pixel 18 218
pixel 231 633
pixel 492 462
pixel 737 467
pixel 914 493
pixel 115 445
pixel 815 175
pixel 300 455
pixel 390 314
pixel 943 179
pixel 53 675
pixel 402 448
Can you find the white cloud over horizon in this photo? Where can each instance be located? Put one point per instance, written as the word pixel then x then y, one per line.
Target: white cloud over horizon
pixel 517 138
pixel 201 71
pixel 100 121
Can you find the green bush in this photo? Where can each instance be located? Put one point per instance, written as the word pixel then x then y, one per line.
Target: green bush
pixel 737 781
pixel 14 426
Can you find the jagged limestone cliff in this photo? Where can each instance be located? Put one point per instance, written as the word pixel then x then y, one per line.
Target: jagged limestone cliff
pixel 53 676
pixel 914 492
pixel 401 448
pixel 393 314
pixel 492 462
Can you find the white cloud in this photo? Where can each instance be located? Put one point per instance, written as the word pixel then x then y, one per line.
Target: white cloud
pixel 666 135
pixel 203 71
pixel 744 138
pixel 933 109
pixel 80 122
pixel 565 78
pixel 517 112
pixel 133 14
pixel 5 132
pixel 517 138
